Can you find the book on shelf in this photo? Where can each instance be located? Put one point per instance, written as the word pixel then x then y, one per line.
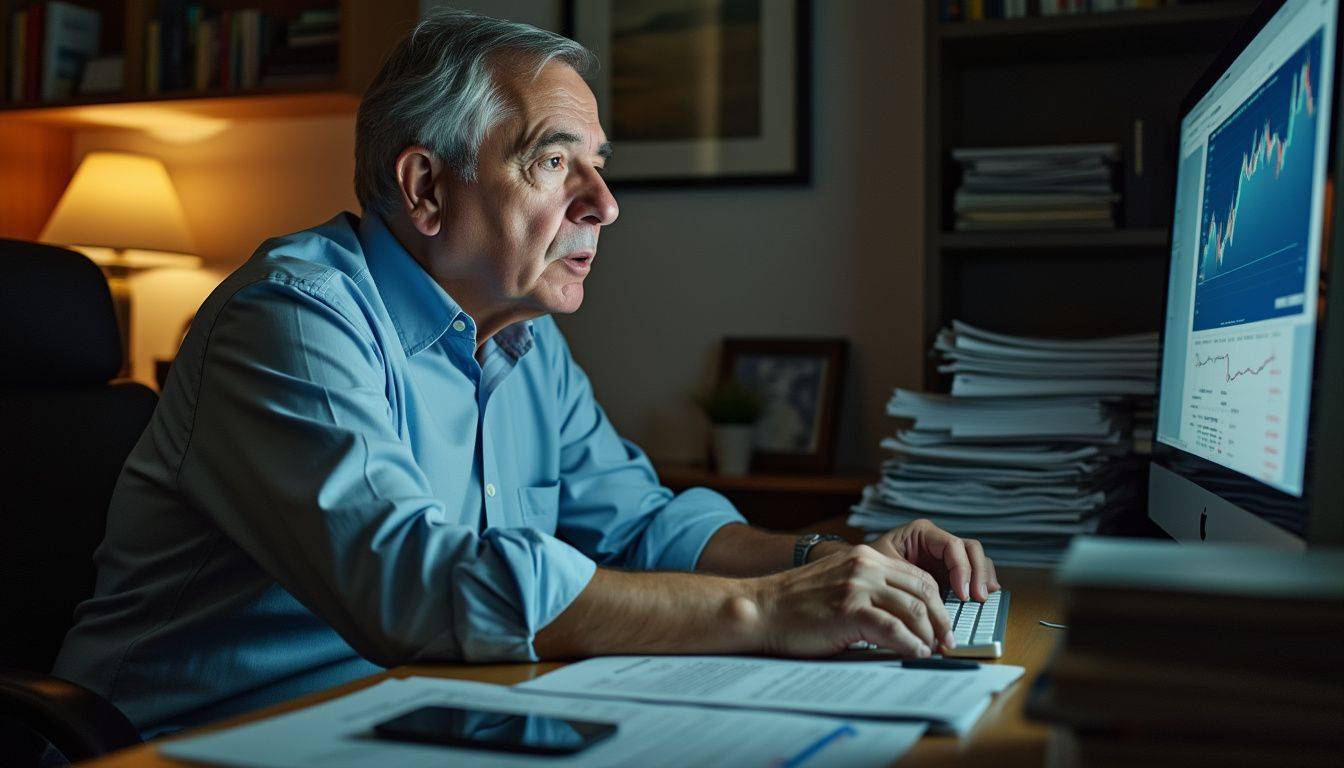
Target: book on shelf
pixel 980 10
pixel 17 54
pixel 1040 187
pixel 50 43
pixel 71 38
pixel 189 46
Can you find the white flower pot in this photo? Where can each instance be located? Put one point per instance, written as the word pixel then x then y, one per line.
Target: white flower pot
pixel 732 448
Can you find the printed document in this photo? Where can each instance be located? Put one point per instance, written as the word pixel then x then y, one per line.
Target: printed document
pixel 847 689
pixel 339 733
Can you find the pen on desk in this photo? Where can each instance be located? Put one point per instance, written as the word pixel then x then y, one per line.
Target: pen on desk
pixel 836 735
pixel 947 664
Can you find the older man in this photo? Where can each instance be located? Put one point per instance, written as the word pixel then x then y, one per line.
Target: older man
pixel 375 447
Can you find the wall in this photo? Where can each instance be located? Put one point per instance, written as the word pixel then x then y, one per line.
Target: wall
pixel 680 269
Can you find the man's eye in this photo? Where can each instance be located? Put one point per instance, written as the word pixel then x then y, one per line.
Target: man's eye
pixel 553 163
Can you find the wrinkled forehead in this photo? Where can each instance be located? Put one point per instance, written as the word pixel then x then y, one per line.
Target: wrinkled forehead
pixel 554 97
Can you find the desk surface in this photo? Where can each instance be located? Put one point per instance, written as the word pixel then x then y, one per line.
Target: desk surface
pixel 1003 737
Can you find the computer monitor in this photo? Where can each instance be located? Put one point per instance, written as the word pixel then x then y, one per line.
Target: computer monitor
pixel 1247 443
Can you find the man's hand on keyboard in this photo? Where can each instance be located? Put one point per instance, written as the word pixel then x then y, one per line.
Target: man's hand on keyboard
pixel 851 596
pixel 958 564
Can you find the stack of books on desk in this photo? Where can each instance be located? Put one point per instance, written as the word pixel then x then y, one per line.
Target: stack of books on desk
pixel 1213 655
pixel 1033 188
pixel 1035 444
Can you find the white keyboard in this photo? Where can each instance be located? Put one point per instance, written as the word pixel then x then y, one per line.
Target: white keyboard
pixel 978 628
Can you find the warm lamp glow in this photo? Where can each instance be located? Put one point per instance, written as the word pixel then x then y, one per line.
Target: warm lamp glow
pixel 121 202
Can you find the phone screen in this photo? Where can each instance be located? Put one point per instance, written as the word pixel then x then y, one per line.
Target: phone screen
pixel 503 731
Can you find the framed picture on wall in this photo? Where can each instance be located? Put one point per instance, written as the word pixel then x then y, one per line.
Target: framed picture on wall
pixel 701 92
pixel 799 382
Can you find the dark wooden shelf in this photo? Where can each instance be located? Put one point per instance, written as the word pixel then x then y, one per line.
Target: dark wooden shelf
pixel 1068 79
pixel 240 105
pixel 1202 26
pixel 1067 239
pixel 687 476
pixel 1234 11
pixel 783 502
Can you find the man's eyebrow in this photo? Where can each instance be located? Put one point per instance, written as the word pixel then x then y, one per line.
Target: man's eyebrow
pixel 551 138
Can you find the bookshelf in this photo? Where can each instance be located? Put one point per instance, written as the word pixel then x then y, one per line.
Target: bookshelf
pixel 1058 80
pixel 37 136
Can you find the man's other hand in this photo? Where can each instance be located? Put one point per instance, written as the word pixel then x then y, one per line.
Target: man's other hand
pixel 958 564
pixel 860 594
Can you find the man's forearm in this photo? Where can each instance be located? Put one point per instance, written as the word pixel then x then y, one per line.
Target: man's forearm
pixel 658 612
pixel 740 550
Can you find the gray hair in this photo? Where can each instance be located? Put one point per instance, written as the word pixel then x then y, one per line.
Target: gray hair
pixel 436 89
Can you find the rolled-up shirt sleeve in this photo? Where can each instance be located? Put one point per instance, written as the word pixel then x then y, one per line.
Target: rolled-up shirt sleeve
pixel 295 454
pixel 612 506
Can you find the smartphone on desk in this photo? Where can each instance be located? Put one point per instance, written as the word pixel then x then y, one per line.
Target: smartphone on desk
pixel 499 731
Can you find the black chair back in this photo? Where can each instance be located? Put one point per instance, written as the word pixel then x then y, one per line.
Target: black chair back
pixel 67 431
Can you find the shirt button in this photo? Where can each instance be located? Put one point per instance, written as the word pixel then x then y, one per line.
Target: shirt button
pixel 459 326
pixel 490 490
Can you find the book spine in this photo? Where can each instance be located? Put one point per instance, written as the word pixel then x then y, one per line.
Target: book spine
pixel 153 38
pixel 975 10
pixel 37 23
pixel 223 41
pixel 191 30
pixel 18 35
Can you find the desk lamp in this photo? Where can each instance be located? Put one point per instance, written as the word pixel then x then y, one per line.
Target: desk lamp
pixel 122 212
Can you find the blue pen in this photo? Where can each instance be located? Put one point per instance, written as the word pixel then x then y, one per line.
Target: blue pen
pixel 820 744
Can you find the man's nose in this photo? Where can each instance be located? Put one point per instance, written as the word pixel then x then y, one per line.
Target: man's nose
pixel 595 204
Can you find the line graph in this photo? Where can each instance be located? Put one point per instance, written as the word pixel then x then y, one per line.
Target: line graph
pixel 1229 375
pixel 1257 199
pixel 1235 400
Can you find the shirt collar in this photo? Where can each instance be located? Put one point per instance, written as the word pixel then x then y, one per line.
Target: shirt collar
pixel 420 309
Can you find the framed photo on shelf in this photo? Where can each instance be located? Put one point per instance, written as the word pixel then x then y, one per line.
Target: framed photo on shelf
pixel 799 382
pixel 701 92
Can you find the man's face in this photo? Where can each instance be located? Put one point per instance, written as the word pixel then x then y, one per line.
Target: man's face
pixel 523 235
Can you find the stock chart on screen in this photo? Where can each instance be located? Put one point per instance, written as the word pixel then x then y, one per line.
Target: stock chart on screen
pixel 1257 200
pixel 1246 240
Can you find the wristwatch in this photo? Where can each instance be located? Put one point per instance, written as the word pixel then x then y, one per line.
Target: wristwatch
pixel 806 542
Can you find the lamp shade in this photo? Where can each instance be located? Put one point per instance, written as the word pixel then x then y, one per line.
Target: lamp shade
pixel 122 202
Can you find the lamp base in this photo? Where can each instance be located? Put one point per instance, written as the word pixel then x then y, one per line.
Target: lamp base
pixel 121 306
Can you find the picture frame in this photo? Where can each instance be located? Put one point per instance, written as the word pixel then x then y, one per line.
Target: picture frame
pixel 800 382
pixel 701 92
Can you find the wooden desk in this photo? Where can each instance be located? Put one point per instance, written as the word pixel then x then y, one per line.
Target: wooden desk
pixel 778 501
pixel 1002 737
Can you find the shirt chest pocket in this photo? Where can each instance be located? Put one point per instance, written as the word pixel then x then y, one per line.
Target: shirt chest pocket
pixel 540 505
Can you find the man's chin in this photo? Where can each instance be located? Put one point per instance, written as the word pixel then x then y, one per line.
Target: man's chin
pixel 566 299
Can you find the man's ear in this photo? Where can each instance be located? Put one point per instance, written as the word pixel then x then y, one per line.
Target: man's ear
pixel 417 171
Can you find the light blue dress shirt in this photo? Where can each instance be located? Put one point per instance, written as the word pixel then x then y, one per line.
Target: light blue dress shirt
pixel 332 483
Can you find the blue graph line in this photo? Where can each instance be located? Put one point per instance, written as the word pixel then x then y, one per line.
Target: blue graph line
pixel 1257 199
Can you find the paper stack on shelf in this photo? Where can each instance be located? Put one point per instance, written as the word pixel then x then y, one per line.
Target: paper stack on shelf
pixel 1051 187
pixel 1192 656
pixel 1035 444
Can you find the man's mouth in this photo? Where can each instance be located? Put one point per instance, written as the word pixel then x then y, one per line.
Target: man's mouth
pixel 580 262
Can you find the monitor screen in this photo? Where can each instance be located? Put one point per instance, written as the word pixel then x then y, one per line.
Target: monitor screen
pixel 1247 233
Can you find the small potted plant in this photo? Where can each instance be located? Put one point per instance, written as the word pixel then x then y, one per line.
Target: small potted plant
pixel 732 410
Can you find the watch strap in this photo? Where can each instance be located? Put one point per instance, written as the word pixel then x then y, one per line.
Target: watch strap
pixel 803 546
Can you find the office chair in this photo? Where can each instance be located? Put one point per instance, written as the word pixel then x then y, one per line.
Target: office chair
pixel 67 430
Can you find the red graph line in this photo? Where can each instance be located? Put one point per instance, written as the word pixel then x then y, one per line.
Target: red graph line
pixel 1266 147
pixel 1229 375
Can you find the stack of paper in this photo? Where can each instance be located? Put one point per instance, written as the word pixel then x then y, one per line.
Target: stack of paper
pixel 950 701
pixel 1034 445
pixel 1055 187
pixel 339 734
pixel 1193 656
